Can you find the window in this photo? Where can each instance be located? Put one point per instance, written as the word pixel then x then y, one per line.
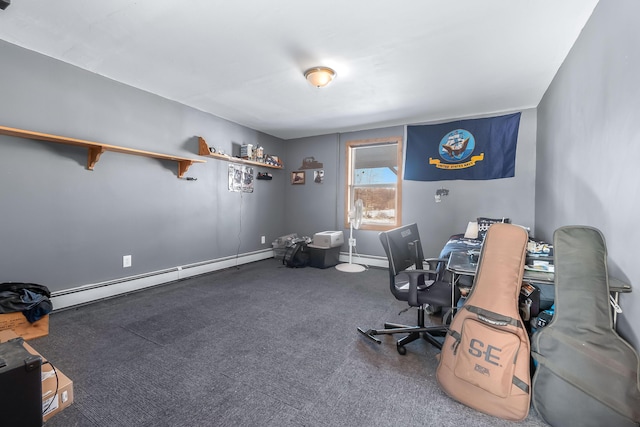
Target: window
pixel 374 174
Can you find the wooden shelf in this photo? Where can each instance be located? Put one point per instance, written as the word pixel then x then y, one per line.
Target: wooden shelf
pixel 95 149
pixel 204 151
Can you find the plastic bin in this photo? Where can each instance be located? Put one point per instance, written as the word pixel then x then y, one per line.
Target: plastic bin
pixel 323 257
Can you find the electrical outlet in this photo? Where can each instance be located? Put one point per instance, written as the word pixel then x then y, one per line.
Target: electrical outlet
pixel 126 261
pixel 263 240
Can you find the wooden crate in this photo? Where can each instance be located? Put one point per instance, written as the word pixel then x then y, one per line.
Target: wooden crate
pixel 21 326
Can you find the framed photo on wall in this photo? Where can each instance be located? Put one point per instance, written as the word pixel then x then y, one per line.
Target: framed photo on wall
pixel 297 177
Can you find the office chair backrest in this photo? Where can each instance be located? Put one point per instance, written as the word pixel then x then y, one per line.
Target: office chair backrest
pixel 404 251
pixel 403 248
pixel 412 278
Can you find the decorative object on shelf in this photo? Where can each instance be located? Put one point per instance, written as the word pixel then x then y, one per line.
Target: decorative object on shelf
pixel 251 152
pixel 246 152
pixel 205 150
pixel 265 176
pixel 96 148
pixel 240 178
pixel 311 163
pixel 297 177
pixel 272 160
pixel 259 152
pixel 319 76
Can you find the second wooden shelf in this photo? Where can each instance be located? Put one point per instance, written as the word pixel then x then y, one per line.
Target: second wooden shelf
pixel 204 151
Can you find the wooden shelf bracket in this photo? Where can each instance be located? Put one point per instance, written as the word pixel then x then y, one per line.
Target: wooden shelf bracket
pixel 183 167
pixel 94 156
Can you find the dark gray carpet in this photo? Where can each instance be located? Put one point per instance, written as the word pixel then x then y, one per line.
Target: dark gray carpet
pixel 260 345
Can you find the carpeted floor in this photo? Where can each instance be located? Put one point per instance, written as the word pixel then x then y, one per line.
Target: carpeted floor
pixel 258 345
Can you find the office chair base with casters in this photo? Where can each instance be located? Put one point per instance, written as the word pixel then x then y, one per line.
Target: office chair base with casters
pixel 428 333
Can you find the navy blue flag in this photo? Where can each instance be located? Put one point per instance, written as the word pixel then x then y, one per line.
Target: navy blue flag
pixel 474 149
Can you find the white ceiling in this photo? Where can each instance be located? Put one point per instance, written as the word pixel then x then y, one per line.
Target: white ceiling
pixel 401 62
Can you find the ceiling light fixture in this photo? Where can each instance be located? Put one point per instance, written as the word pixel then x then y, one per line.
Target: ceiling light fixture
pixel 319 76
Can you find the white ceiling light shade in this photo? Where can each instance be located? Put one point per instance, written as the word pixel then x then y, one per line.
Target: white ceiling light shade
pixel 319 76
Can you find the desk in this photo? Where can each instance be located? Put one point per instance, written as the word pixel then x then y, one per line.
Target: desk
pixel 461 264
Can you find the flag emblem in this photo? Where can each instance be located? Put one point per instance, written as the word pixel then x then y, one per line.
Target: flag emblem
pixel 457 145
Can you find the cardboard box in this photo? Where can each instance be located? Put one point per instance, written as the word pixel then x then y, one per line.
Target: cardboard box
pixel 21 326
pixel 57 388
pixel 57 394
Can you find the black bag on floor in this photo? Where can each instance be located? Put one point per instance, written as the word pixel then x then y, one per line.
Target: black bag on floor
pixel 297 255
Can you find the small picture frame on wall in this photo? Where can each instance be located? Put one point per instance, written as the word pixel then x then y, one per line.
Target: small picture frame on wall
pixel 297 177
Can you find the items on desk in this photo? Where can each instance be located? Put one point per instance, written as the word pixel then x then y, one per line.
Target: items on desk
pixel 472 230
pixel 474 255
pixel 540 266
pixel 539 248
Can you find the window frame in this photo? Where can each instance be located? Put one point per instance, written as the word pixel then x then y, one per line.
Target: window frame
pixel 349 180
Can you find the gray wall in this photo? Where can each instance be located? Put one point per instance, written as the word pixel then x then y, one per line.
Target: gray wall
pixel 64 226
pixel 467 200
pixel 588 145
pixel 311 207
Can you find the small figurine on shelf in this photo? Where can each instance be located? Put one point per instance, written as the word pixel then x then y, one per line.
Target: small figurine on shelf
pixel 272 160
pixel 259 152
pixel 246 151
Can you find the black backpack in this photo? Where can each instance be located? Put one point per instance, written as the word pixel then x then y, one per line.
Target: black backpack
pixel 296 255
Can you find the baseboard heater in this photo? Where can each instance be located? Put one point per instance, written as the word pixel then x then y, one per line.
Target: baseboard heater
pixel 94 292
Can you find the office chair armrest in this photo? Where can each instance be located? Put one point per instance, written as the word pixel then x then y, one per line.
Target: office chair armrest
pixel 433 263
pixel 414 275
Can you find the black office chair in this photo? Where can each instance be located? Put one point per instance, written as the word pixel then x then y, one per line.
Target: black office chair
pixel 427 290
